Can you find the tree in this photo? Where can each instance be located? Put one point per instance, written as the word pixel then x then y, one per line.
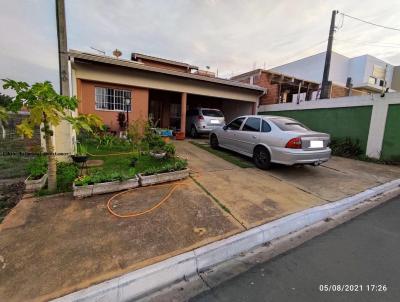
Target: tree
pixel 47 108
pixel 5 100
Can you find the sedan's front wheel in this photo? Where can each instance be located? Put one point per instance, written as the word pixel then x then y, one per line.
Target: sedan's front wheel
pixel 262 158
pixel 214 141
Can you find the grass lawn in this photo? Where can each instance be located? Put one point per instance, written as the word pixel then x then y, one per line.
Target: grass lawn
pixel 117 159
pixel 234 158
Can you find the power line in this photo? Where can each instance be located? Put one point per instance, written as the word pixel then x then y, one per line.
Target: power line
pixel 368 43
pixel 371 23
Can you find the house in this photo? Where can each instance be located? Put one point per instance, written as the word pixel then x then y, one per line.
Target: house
pixel 364 73
pixel 155 88
pixel 280 88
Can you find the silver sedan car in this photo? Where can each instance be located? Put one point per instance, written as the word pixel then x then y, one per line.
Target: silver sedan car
pixel 273 139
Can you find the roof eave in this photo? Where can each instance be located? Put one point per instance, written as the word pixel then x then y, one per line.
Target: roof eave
pixel 140 66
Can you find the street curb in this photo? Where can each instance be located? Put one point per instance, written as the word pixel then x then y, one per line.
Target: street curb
pixel 138 283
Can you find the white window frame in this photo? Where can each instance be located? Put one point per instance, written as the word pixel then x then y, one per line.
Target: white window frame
pixel 102 97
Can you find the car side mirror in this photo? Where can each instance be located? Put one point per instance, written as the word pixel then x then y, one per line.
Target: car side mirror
pixel 225 127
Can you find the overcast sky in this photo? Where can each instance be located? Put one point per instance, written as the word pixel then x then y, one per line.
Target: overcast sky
pixel 229 35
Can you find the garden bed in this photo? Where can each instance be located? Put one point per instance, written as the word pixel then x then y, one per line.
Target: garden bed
pixel 33 185
pixel 125 159
pixel 104 187
pixel 150 171
pixel 153 179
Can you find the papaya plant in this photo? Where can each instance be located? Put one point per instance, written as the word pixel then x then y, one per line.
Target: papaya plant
pixel 47 109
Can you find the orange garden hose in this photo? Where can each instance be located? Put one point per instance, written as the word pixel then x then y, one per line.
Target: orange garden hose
pixel 136 214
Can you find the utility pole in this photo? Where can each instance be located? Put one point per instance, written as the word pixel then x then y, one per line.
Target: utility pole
pixel 62 48
pixel 325 87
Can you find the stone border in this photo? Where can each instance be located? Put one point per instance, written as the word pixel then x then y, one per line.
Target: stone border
pixel 35 184
pixel 141 282
pixel 104 187
pixel 148 180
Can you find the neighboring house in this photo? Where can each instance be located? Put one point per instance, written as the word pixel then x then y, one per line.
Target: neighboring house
pixel 368 74
pixel 154 87
pixel 280 88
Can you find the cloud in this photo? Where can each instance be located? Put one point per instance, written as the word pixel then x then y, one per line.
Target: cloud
pixel 231 36
pixel 28 49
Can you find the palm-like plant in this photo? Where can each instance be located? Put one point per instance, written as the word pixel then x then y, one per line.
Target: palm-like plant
pixel 3 119
pixel 46 108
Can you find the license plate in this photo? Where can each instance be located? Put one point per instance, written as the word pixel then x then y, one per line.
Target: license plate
pixel 214 121
pixel 316 144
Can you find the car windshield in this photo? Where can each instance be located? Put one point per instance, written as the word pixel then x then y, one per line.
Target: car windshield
pixel 212 113
pixel 286 124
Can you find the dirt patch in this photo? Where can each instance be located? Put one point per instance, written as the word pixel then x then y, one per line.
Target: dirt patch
pixel 10 195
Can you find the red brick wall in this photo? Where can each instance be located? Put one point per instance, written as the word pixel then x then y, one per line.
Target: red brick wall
pixel 264 80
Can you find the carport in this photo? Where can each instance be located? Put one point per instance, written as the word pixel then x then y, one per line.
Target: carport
pixel 165 107
pixel 229 107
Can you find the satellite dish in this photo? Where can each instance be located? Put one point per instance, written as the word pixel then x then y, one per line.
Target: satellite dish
pixel 117 53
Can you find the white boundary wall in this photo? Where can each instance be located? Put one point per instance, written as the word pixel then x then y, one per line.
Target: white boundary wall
pixel 379 105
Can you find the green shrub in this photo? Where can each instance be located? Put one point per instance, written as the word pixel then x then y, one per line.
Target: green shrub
pixel 82 149
pixel 177 165
pixel 106 140
pixel 66 173
pixel 100 176
pixel 37 167
pixel 170 149
pixel 346 147
pixel 83 180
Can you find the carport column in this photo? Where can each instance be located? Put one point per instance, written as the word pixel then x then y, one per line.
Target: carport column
pixel 183 111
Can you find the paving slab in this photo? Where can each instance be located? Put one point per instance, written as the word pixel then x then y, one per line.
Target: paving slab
pixel 201 160
pixel 254 197
pixel 64 244
pixel 378 172
pixel 336 179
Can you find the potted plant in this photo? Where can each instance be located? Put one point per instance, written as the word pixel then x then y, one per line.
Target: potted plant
pixel 81 155
pixel 157 147
pixel 37 169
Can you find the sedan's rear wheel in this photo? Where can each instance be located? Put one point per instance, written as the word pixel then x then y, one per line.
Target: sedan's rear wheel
pixel 214 141
pixel 262 158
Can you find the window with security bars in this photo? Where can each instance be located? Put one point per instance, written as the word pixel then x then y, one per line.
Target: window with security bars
pixel 112 99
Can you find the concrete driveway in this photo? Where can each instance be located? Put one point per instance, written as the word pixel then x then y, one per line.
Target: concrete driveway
pixel 255 196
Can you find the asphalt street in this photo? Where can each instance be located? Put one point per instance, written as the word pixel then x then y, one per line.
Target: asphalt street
pixel 357 261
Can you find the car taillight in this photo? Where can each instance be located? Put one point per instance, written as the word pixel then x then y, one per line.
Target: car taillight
pixel 200 117
pixel 294 143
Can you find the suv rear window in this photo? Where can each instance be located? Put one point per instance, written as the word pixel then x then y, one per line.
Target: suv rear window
pixel 212 112
pixel 286 124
